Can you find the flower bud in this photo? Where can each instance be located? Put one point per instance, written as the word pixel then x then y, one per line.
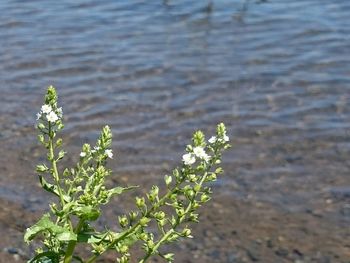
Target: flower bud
pixel 195 205
pixel 153 194
pixel 189 193
pixel 168 179
pixel 176 174
pixel 41 168
pixel 60 126
pixel 98 249
pixel 219 170
pixel 41 126
pixel 169 257
pixel 133 215
pixel 41 138
pixel 61 155
pixel 143 236
pixel 123 221
pixel 144 221
pixel 186 232
pixel 123 249
pixel 123 259
pixel 205 198
pixel 59 142
pixel 194 217
pixel 197 188
pixel 140 202
pixel 180 212
pixel 192 177
pixel 150 244
pixel 211 177
pixel 159 215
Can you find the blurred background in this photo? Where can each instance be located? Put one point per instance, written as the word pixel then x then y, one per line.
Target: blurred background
pixel 276 72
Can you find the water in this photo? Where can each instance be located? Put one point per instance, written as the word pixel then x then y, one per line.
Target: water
pixel 276 72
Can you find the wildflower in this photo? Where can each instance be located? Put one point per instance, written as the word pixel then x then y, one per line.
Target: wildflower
pixel 96 148
pixel 60 112
pixel 109 153
pixel 82 154
pixel 52 117
pixel 212 139
pixel 200 153
pixel 188 159
pixel 46 109
pixel 226 138
pixel 38 115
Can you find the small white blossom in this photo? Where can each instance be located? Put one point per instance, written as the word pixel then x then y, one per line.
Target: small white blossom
pixel 82 154
pixel 38 115
pixel 96 148
pixel 200 153
pixel 188 159
pixel 109 153
pixel 52 117
pixel 212 139
pixel 226 138
pixel 60 112
pixel 46 109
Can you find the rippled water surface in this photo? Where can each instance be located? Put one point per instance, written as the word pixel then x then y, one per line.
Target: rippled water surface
pixel 276 72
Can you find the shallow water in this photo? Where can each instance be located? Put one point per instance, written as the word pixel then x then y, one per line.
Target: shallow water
pixel 276 73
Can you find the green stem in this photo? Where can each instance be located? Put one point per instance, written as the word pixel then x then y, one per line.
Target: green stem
pixel 126 233
pixel 71 245
pixel 164 238
pixel 54 166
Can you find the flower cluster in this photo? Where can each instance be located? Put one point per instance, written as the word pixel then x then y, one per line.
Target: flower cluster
pixel 198 152
pixel 107 152
pixel 222 139
pixel 49 113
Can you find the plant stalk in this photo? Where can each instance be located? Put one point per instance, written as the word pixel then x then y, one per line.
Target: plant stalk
pixel 71 245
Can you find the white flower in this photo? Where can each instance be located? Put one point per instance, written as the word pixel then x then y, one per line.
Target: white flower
pixel 38 115
pixel 52 117
pixel 200 153
pixel 60 111
pixel 188 159
pixel 109 153
pixel 82 154
pixel 96 148
pixel 212 139
pixel 226 138
pixel 46 108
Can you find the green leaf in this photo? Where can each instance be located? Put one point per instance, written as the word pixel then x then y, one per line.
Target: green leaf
pixel 41 168
pixel 66 236
pixel 47 186
pixel 61 155
pixel 51 188
pixel 45 224
pixel 45 257
pixel 131 239
pixel 118 190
